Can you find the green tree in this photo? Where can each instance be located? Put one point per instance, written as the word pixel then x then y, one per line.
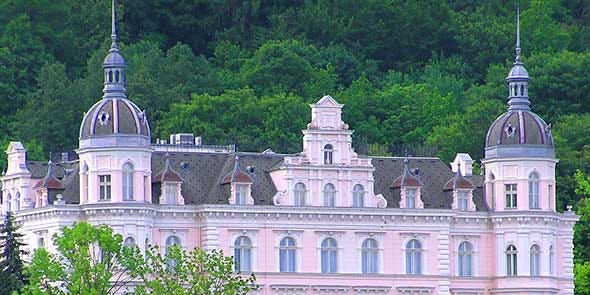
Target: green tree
pixel 582 236
pixel 206 273
pixel 12 277
pixel 91 261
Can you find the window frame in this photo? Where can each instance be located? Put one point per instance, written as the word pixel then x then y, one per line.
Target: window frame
pixel 127 181
pixel 465 259
pixel 534 195
pixel 410 198
pixel 413 257
pixel 329 195
pixel 328 154
pixel 329 256
pixel 370 256
pixel 511 195
pixel 511 253
pixel 463 201
pixel 241 194
pixel 299 194
pixel 288 251
pixel 243 248
pixel 535 260
pixel 358 196
pixel 104 187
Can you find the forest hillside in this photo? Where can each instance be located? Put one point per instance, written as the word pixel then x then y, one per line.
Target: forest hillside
pixel 416 77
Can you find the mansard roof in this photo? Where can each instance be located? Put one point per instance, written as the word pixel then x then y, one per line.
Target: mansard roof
pixel 204 173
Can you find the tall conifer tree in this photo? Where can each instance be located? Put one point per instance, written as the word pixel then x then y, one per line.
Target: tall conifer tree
pixel 12 277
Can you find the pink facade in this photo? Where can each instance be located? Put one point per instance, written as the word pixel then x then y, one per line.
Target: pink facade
pixel 322 221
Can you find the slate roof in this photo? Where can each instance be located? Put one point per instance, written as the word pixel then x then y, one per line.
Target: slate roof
pixel 67 173
pixel 203 175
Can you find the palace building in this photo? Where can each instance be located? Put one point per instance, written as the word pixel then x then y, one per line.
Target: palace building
pixel 325 220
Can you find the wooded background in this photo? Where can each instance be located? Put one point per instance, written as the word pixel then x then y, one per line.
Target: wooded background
pixel 416 77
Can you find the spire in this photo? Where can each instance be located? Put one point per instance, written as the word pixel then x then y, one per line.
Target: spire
pixel 518 50
pixel 113 26
pixel 114 64
pixel 518 77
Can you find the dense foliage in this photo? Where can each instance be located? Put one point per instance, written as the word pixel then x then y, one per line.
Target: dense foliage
pixel 417 77
pixel 12 276
pixel 92 260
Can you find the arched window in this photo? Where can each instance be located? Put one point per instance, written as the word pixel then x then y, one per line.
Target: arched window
pixel 287 255
pixel 551 260
pixel 511 262
pixel 170 242
pixel 8 203
pixel 129 242
pixel 17 201
pixel 329 195
pixel 299 193
pixel 370 256
pixel 243 254
pixel 414 257
pixel 110 76
pixel 329 255
pixel 465 263
pixel 117 76
pixel 328 154
pixel 534 190
pixel 535 256
pixel 127 182
pixel 358 196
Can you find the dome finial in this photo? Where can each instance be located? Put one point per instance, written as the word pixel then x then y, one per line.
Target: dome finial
pixel 113 26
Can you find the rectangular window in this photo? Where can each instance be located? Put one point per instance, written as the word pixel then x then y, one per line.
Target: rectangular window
pixel 511 196
pixel 171 193
pixel 463 201
pixel 411 198
pixel 241 194
pixel 104 183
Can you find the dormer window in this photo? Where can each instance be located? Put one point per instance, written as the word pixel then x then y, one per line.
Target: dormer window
pixel 104 183
pixel 463 201
pixel 411 198
pixel 328 154
pixel 171 193
pixel 241 191
pixel 127 182
pixel 171 185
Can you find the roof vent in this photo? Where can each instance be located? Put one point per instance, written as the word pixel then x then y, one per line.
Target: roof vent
pixel 251 169
pixel 185 166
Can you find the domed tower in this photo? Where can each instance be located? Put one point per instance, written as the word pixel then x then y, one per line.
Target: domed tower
pixel 519 152
pixel 114 146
